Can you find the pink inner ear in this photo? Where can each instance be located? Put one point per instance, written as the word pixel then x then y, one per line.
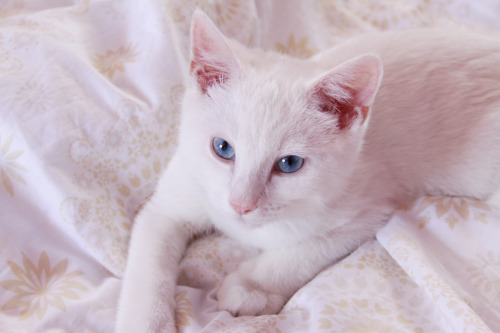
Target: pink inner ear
pixel 206 75
pixel 349 90
pixel 212 61
pixel 344 109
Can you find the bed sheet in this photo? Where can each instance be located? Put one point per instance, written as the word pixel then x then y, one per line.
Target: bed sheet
pixel 90 96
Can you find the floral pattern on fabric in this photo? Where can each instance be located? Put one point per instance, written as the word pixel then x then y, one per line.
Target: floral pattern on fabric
pixel 90 101
pixel 40 286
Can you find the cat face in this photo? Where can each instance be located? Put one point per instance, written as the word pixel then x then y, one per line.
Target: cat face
pixel 275 144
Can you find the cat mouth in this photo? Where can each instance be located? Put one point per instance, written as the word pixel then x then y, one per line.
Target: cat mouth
pixel 258 217
pixel 250 220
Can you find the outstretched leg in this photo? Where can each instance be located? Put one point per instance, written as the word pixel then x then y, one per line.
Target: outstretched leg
pixel 159 238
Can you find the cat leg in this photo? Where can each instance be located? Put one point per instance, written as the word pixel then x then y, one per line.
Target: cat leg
pixel 159 239
pixel 262 285
pixel 146 302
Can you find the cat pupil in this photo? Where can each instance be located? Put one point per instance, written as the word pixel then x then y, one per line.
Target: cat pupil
pixel 290 164
pixel 223 149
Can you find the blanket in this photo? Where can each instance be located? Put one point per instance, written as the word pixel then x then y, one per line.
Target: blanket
pixel 90 95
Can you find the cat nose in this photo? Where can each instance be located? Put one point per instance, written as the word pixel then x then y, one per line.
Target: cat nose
pixel 242 209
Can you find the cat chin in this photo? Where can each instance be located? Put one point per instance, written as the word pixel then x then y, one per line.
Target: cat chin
pixel 252 220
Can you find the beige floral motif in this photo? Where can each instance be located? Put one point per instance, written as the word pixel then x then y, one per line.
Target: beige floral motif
pixel 46 28
pixel 261 324
pixel 452 221
pixel 226 11
pixel 382 14
pixel 102 224
pixel 80 7
pixel 222 12
pixel 9 167
pixel 297 49
pixel 41 286
pixel 9 64
pixel 338 16
pixel 139 188
pixel 402 249
pixel 423 274
pixel 424 219
pixel 176 93
pixel 183 310
pixel 178 11
pixel 376 318
pixel 169 114
pixel 23 41
pixel 123 163
pixel 116 9
pixel 367 325
pixel 325 324
pixel 481 217
pixel 35 97
pixel 204 252
pixel 104 168
pixel 132 113
pixel 453 209
pixel 114 61
pixel 484 274
pixel 381 262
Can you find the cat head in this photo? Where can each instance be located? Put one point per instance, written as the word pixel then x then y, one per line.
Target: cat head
pixel 273 138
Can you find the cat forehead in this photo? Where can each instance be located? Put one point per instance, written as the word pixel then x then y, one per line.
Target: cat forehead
pixel 267 105
pixel 271 113
pixel 270 96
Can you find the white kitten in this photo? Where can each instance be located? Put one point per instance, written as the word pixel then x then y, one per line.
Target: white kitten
pixel 306 159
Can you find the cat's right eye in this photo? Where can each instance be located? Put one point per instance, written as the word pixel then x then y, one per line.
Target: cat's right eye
pixel 290 164
pixel 223 149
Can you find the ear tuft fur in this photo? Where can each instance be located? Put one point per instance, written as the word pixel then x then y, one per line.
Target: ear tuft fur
pixel 348 91
pixel 212 61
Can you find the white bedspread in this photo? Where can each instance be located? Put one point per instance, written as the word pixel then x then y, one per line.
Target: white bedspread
pixel 89 105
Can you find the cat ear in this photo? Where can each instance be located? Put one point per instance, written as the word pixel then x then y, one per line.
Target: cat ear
pixel 348 91
pixel 212 61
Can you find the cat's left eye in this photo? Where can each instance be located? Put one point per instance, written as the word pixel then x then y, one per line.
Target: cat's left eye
pixel 290 164
pixel 223 149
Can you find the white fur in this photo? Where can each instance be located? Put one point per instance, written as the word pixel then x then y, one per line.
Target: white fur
pixel 433 128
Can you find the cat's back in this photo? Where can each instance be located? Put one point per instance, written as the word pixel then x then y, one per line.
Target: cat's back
pixel 423 63
pixel 405 48
pixel 436 117
pixel 433 79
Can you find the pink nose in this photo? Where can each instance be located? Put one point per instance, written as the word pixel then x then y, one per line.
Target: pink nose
pixel 243 209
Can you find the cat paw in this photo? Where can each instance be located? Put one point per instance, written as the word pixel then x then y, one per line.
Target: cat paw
pixel 242 297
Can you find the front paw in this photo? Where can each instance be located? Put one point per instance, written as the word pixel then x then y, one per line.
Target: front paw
pixel 243 297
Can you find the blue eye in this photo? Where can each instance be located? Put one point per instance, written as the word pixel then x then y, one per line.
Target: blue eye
pixel 290 164
pixel 223 149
